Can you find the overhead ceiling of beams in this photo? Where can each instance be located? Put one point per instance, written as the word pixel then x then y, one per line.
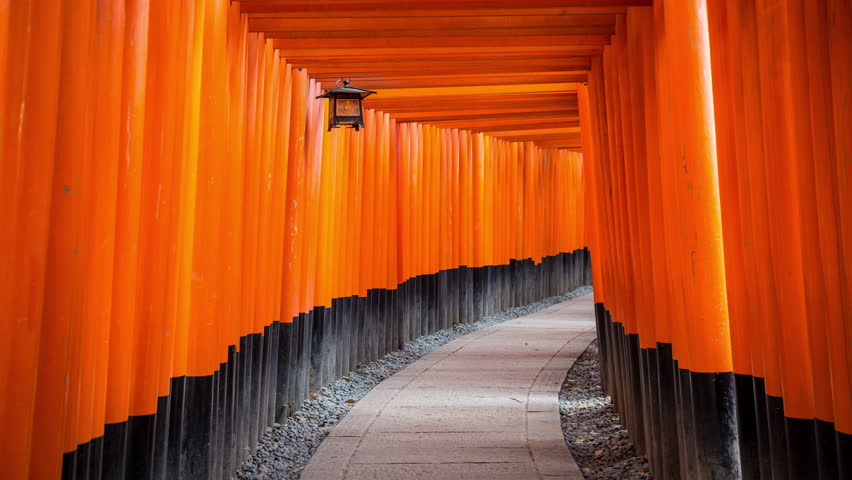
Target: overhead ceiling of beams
pixel 508 68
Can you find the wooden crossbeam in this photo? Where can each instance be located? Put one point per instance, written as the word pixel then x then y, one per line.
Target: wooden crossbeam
pixel 445 7
pixel 413 23
pixel 503 67
pixel 379 83
pixel 405 42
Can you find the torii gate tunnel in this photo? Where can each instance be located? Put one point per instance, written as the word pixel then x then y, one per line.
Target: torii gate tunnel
pixel 187 253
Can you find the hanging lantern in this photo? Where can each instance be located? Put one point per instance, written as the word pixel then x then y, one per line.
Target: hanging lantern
pixel 344 105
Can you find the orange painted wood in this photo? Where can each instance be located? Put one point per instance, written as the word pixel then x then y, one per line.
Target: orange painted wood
pixel 448 23
pixel 496 125
pixel 231 206
pixel 32 53
pixel 124 321
pixel 446 6
pixel 783 192
pixel 567 57
pixel 332 51
pixel 839 36
pixel 181 190
pixel 260 10
pixel 292 38
pixel 531 43
pixel 496 113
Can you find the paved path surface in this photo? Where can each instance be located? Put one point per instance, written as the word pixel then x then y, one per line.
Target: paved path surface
pixel 484 406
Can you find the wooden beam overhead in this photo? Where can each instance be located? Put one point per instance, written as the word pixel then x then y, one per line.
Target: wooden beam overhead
pixel 391 63
pixel 472 120
pixel 452 103
pixel 482 77
pixel 556 137
pixel 330 7
pixel 330 50
pixel 447 24
pixel 485 125
pixel 506 68
pixel 472 103
pixel 258 11
pixel 452 81
pixel 567 56
pixel 553 130
pixel 421 93
pixel 361 36
pixel 570 144
pixel 484 113
pixel 514 127
pixel 380 71
pixel 465 101
pixel 465 42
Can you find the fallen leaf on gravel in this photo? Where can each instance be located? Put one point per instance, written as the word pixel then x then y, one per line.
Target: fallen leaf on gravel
pixel 579 440
pixel 598 452
pixel 351 401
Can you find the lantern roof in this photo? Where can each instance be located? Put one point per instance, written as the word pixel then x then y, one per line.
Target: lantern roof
pixel 346 89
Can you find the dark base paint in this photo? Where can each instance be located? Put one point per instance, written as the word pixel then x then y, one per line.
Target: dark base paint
pixel 710 425
pixel 207 425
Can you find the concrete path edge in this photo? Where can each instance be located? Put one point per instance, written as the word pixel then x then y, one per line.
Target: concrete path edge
pixel 571 322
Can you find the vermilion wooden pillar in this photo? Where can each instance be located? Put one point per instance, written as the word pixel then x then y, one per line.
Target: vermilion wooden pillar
pixel 178 212
pixel 839 37
pixel 711 380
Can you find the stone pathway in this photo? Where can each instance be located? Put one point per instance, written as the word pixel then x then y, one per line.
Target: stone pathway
pixel 484 406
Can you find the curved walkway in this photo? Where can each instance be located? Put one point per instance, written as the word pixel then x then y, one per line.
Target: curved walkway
pixel 484 406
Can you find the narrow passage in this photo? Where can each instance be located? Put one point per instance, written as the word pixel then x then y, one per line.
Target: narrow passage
pixel 484 406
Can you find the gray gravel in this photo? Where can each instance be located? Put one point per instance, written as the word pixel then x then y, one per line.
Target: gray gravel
pixel 591 426
pixel 287 447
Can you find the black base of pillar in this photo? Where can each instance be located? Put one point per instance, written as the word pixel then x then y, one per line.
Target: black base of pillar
pixel 208 424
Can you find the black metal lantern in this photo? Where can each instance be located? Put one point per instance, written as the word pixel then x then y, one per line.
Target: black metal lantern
pixel 344 104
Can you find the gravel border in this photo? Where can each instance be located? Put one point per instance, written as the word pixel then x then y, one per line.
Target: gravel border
pixel 287 447
pixel 591 426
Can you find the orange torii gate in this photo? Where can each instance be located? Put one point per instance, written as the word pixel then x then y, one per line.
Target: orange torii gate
pixel 714 135
pixel 187 250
